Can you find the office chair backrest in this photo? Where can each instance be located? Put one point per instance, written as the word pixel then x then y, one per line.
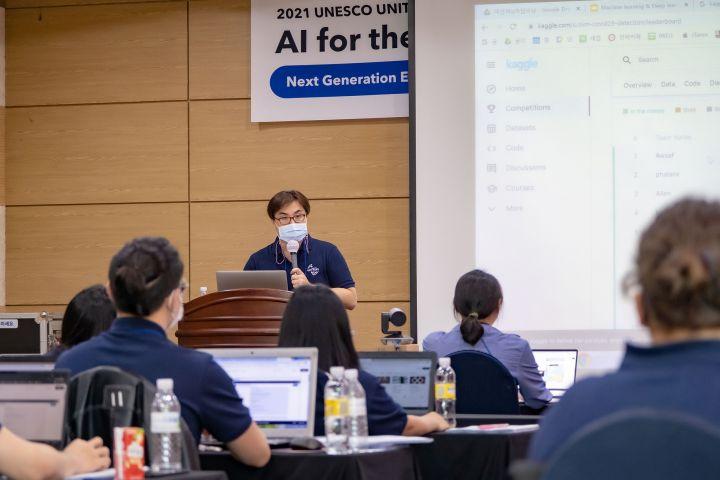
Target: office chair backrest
pixel 106 397
pixel 484 385
pixel 642 444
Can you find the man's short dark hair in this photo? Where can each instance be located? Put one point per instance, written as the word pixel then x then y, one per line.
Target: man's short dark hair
pixel 280 199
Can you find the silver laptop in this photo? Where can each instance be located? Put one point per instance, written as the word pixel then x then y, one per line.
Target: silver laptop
pixel 558 368
pixel 32 404
pixel 408 377
pixel 26 363
pixel 276 384
pixel 232 280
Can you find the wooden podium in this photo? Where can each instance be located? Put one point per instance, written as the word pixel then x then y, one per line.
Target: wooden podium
pixel 248 317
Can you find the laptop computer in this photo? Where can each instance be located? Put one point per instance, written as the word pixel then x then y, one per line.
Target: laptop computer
pixel 32 404
pixel 277 385
pixel 408 377
pixel 26 363
pixel 558 368
pixel 232 280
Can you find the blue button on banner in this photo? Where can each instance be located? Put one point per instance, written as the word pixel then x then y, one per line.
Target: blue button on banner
pixel 340 79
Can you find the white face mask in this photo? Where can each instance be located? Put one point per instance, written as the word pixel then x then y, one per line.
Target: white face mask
pixel 176 317
pixel 293 231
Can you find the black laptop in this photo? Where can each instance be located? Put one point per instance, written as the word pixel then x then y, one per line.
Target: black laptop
pixel 408 377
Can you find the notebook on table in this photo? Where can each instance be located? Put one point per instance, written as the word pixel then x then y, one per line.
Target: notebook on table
pixel 32 404
pixel 408 377
pixel 277 385
pixel 558 368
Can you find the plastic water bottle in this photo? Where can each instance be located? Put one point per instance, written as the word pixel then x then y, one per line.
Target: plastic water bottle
pixel 445 391
pixel 336 412
pixel 357 411
pixel 165 436
pixel 203 291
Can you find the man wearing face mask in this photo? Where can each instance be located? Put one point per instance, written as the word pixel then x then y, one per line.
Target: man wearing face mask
pixel 145 283
pixel 318 261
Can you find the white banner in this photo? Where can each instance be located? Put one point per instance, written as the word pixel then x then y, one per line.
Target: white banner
pixel 325 60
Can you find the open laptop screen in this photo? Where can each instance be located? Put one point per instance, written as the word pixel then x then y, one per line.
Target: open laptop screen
pixel 277 390
pixel 32 404
pixel 557 368
pixel 407 377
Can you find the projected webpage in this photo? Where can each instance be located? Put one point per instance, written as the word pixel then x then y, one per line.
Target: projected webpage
pixel 590 117
pixel 276 390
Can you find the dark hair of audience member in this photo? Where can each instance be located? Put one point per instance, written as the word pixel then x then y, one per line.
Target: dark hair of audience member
pixel 89 313
pixel 477 296
pixel 280 199
pixel 315 317
pixel 143 273
pixel 678 266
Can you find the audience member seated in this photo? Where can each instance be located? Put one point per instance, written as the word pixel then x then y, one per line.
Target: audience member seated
pixel 677 270
pixel 478 299
pixel 145 285
pixel 89 313
pixel 315 317
pixel 23 460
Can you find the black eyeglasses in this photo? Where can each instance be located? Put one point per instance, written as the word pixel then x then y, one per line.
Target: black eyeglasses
pixel 297 218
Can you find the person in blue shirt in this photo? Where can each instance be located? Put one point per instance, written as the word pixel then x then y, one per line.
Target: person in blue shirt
pixel 677 270
pixel 21 459
pixel 477 302
pixel 319 262
pixel 145 283
pixel 314 317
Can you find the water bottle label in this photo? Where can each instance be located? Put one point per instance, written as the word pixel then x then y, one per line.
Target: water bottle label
pixel 445 391
pixel 336 407
pixel 357 407
pixel 165 422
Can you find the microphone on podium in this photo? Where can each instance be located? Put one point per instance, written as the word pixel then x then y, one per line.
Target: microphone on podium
pixel 293 246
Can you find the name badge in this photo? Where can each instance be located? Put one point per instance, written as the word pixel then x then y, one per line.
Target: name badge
pixel 8 324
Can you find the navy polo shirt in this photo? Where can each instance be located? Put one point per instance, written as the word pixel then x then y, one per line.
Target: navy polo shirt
pixel 208 399
pixel 680 377
pixel 321 262
pixel 385 417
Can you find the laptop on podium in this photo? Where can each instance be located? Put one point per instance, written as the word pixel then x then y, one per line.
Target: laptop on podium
pixel 234 279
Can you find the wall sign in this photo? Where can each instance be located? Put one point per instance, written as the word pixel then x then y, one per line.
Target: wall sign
pixel 324 60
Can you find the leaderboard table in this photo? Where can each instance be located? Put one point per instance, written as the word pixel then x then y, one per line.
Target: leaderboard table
pixel 456 455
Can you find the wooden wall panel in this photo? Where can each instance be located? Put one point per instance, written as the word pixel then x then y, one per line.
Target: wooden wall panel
pixel 371 234
pixel 365 323
pixel 3 156
pixel 121 153
pixel 55 251
pixel 97 54
pixel 233 159
pixel 219 49
pixel 58 3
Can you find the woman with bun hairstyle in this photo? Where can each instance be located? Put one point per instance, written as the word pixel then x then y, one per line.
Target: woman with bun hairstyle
pixel 676 283
pixel 477 302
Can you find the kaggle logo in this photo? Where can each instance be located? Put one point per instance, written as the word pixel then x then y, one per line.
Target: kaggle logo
pixel 521 65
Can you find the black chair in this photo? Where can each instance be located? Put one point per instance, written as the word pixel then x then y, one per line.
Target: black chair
pixel 483 384
pixel 106 397
pixel 640 444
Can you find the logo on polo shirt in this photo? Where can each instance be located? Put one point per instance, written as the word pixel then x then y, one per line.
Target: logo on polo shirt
pixel 313 270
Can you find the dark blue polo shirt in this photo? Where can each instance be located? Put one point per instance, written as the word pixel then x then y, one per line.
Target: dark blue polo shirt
pixel 321 262
pixel 385 417
pixel 681 377
pixel 206 393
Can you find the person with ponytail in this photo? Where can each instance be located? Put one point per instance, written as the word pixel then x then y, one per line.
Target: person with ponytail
pixel 676 290
pixel 145 283
pixel 477 303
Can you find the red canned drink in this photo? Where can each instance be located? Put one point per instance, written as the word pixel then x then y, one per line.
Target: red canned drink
pixel 129 453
